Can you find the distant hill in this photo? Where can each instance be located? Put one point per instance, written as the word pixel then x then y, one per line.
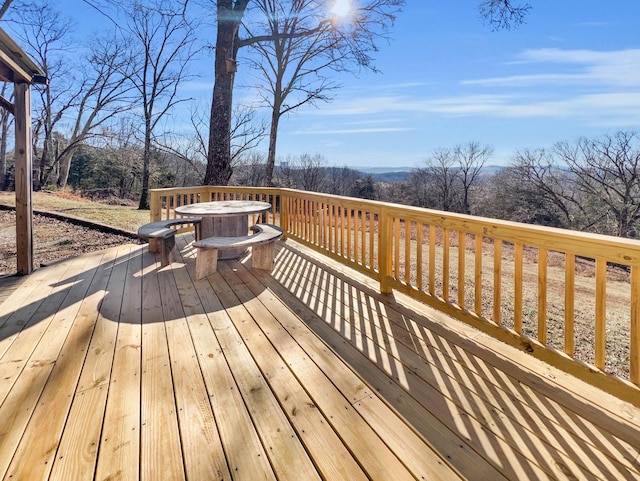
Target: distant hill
pixel 492 169
pixel 384 170
pixel 399 174
pixel 387 174
pixel 394 176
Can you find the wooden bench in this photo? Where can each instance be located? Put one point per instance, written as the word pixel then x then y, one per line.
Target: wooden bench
pixel 261 243
pixel 161 236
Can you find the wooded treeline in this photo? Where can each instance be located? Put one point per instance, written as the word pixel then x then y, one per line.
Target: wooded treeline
pixel 590 184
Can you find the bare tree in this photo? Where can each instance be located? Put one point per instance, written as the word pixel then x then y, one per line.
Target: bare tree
pixel 45 33
pixel 249 170
pixel 445 173
pixel 342 180
pixel 290 65
pixel 286 173
pixel 448 178
pixel 357 36
pixel 419 191
pixel 471 158
pixel 247 131
pixel 5 6
pixel 80 96
pixel 311 172
pixel 589 184
pixel 532 189
pixel 111 164
pixel 395 192
pixel 606 171
pixel 103 94
pixel 549 190
pixel 229 15
pixel 166 39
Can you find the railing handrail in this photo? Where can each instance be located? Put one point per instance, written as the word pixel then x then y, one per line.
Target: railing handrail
pixel 581 243
pixel 404 247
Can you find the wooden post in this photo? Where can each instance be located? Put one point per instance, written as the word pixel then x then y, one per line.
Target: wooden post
pixel 385 243
pixel 634 338
pixel 155 205
pixel 24 175
pixel 284 214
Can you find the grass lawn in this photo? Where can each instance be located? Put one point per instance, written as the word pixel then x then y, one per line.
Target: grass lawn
pixel 126 217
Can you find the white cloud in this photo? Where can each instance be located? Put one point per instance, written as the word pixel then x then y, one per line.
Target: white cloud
pixel 589 67
pixel 605 107
pixel 595 88
pixel 351 131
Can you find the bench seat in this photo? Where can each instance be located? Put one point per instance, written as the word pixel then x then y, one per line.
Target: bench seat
pixel 261 243
pixel 161 236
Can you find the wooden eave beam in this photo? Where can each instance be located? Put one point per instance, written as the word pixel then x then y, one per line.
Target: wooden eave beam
pixel 16 64
pixel 17 72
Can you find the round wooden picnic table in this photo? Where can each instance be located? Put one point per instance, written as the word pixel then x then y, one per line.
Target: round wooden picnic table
pixel 224 218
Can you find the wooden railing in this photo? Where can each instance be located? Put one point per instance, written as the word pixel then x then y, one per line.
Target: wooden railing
pixel 163 202
pixel 569 298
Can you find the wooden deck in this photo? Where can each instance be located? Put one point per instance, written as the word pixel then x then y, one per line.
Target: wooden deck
pixel 111 368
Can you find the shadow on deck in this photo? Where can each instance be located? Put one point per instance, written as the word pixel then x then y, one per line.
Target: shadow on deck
pixel 112 368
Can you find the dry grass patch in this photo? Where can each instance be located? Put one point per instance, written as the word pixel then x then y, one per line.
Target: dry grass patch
pixel 125 216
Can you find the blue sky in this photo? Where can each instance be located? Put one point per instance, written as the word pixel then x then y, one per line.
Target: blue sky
pixel 573 69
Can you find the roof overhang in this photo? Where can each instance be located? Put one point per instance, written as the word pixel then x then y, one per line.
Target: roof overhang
pixel 15 64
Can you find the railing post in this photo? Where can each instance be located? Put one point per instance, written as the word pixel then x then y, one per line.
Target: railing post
pixel 284 214
pixel 634 338
pixel 385 243
pixel 155 207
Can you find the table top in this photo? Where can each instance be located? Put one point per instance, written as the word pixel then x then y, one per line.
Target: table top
pixel 224 208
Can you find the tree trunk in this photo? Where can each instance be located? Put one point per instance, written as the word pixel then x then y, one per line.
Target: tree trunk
pixel 41 169
pixel 465 202
pixel 146 161
pixel 65 167
pixel 219 168
pixel 271 157
pixel 219 154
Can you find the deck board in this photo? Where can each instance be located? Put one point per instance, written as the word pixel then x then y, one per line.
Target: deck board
pixel 462 382
pixel 245 453
pixel 62 349
pixel 113 368
pixel 327 450
pixel 161 451
pixel 34 353
pixel 390 427
pixel 118 452
pixel 76 455
pixel 284 449
pixel 338 410
pixel 430 385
